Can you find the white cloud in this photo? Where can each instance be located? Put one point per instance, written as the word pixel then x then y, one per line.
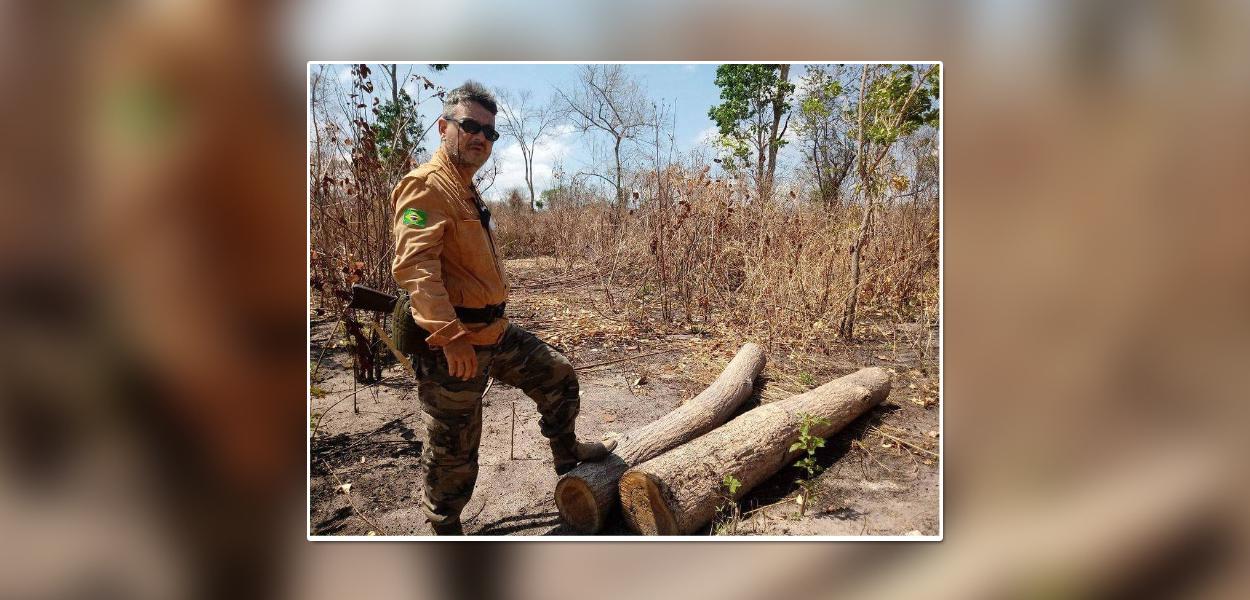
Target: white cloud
pixel 512 166
pixel 706 137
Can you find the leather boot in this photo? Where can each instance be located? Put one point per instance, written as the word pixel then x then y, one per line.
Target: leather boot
pixel 452 528
pixel 567 451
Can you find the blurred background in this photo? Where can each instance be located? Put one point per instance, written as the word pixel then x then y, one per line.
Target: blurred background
pixel 153 253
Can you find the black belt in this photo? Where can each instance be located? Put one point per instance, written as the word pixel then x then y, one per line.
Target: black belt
pixel 486 314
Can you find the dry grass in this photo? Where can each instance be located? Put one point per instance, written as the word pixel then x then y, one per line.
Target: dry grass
pixel 703 256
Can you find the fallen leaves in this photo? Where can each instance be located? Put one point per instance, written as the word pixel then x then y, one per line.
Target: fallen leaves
pixel 924 401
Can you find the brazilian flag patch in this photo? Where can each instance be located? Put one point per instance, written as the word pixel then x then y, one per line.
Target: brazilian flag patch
pixel 414 217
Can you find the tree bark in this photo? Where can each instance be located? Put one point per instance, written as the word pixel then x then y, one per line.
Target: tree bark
pixel 846 327
pixel 777 131
pixel 586 494
pixel 620 192
pixel 679 491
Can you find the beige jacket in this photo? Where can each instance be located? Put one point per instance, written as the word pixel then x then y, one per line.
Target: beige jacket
pixel 443 255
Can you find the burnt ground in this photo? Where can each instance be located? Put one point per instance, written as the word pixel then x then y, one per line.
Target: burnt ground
pixel 880 474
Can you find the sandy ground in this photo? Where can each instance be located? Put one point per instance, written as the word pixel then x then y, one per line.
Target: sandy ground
pixel 371 437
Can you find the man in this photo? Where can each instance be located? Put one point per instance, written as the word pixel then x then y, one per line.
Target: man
pixel 445 258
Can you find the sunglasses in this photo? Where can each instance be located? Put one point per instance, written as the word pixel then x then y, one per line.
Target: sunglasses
pixel 471 127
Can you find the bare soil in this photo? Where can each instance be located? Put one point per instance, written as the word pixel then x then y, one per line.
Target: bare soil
pixel 880 474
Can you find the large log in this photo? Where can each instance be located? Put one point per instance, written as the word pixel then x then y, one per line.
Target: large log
pixel 587 494
pixel 678 492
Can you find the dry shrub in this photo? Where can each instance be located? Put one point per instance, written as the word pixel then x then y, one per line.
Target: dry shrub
pixel 700 253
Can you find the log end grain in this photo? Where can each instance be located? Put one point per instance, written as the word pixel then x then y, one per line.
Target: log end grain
pixel 644 507
pixel 576 503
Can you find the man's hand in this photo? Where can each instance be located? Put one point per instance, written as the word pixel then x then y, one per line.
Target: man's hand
pixel 461 359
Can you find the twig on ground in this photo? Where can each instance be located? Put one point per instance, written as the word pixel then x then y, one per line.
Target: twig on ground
pixel 611 362
pixel 323 414
pixel 877 430
pixel 325 347
pixel 871 456
pixel 366 436
pixel 759 508
pixel 348 493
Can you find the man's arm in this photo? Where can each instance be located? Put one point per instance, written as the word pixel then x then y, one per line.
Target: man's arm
pixel 420 223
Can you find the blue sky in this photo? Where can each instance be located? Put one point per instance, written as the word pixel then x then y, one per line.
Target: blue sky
pixel 690 86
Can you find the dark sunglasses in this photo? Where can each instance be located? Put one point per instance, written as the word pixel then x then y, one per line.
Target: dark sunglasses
pixel 471 127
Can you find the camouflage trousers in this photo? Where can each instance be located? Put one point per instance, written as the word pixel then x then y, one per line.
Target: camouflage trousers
pixel 452 410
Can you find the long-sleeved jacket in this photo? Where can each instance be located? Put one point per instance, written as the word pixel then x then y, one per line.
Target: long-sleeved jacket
pixel 444 257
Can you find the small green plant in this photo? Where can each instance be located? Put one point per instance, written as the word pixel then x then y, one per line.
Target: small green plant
pixel 317 392
pixel 808 443
pixel 729 513
pixel 806 379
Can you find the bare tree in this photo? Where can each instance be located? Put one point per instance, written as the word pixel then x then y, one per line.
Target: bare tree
pixel 486 176
pixel 527 123
pixel 609 101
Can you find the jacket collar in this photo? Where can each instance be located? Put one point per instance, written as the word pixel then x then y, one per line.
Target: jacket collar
pixel 443 161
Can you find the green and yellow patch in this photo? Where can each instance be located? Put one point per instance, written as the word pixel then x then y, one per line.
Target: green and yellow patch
pixel 414 217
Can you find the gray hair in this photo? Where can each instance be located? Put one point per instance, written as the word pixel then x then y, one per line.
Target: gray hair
pixel 471 91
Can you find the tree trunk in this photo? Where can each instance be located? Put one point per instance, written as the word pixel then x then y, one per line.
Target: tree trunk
pixel 586 494
pixel 678 492
pixel 846 327
pixel 527 155
pixel 620 193
pixel 776 133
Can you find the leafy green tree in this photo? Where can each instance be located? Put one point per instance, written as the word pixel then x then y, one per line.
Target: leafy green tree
pixel 822 125
pixel 755 100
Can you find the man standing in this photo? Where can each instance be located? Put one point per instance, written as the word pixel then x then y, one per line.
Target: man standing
pixel 445 258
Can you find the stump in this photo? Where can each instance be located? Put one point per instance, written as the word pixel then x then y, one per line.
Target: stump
pixel 678 492
pixel 587 494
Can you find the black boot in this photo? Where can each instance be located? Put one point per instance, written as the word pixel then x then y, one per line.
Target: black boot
pixel 567 451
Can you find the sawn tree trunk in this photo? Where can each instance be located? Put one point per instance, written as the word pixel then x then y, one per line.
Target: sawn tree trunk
pixel 587 494
pixel 679 491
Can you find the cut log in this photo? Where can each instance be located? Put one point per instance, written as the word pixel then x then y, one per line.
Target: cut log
pixel 587 494
pixel 678 492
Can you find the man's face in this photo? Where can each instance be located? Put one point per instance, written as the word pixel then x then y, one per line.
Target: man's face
pixel 466 149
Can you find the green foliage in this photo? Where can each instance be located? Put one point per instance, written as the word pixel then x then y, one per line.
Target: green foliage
pixel 728 511
pixel 806 379
pixel 822 93
pixel 808 443
pixel 398 130
pixel 891 111
pixel 731 483
pixel 548 195
pixel 821 124
pixel 748 93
